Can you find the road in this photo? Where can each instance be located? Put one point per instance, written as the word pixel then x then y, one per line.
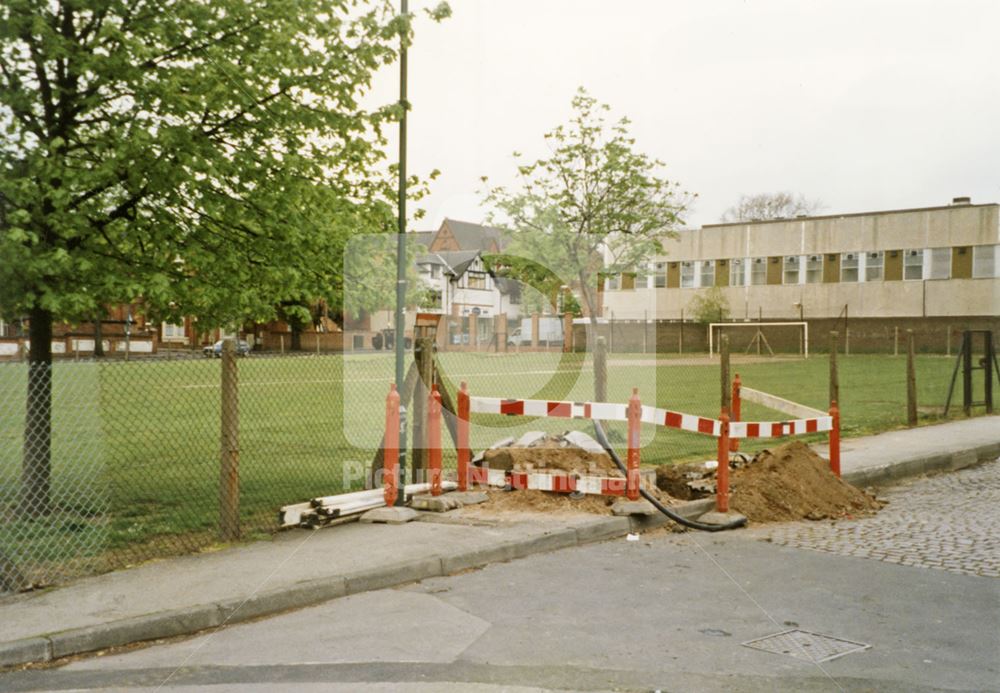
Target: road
pixel 669 612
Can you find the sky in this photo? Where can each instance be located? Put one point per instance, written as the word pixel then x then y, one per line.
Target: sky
pixel 871 105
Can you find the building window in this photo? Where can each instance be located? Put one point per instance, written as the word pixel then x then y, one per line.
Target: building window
pixel 940 263
pixel 172 332
pixel 984 261
pixel 687 275
pixel 642 277
pixel 849 267
pixel 913 264
pixel 613 282
pixel 814 269
pixel 875 266
pixel 660 275
pixel 737 272
pixel 475 280
pixel 707 277
pixel 791 274
pixel 758 271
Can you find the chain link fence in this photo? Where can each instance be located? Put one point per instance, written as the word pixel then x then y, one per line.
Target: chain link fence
pixel 107 463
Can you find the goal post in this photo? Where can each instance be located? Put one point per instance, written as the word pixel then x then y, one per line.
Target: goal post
pixel 758 333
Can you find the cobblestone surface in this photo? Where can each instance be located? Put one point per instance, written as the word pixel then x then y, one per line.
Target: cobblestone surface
pixel 948 522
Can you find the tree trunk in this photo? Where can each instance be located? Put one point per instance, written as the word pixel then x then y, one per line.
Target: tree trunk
pixel 37 460
pixel 296 336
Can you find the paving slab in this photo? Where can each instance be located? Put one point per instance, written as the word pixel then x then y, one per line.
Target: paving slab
pixel 303 567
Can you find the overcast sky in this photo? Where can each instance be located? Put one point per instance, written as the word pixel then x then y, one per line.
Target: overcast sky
pixel 865 105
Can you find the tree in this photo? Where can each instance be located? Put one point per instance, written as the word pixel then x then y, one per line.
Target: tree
pixel 594 206
pixel 165 151
pixel 765 206
pixel 710 306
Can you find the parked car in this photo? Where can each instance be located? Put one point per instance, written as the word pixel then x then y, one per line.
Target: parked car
pixel 242 349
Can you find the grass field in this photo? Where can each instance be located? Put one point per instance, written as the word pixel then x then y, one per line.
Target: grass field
pixel 136 445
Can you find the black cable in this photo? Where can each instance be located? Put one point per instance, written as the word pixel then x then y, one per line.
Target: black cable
pixel 603 440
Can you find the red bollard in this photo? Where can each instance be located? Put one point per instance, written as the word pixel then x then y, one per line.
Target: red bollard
pixel 632 460
pixel 434 439
pixel 835 439
pixel 464 453
pixel 390 447
pixel 734 443
pixel 722 472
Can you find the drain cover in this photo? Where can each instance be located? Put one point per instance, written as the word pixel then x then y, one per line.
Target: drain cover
pixel 801 644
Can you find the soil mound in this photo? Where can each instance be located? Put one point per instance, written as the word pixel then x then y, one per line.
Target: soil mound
pixel 532 501
pixel 552 457
pixel 792 482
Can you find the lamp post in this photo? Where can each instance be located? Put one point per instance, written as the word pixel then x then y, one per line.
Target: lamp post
pixel 401 250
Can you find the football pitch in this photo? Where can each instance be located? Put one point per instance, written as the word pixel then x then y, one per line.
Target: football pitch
pixel 135 446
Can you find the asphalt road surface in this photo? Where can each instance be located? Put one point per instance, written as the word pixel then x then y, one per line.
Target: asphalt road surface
pixel 670 612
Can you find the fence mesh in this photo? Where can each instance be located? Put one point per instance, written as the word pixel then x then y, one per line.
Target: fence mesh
pixel 130 469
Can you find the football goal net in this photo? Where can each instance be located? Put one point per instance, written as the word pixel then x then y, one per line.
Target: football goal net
pixel 761 338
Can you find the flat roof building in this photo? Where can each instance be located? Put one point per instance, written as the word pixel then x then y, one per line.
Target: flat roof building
pixel 928 262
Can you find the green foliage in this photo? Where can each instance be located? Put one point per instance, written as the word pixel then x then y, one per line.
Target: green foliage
pixel 210 158
pixel 710 306
pixel 594 205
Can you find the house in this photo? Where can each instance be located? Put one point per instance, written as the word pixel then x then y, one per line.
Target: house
pixel 454 235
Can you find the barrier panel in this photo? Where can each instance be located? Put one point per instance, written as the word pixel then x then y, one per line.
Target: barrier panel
pixel 728 433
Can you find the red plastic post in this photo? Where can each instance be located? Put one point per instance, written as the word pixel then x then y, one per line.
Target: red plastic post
pixel 434 439
pixel 464 453
pixel 632 460
pixel 835 439
pixel 722 473
pixel 734 443
pixel 390 447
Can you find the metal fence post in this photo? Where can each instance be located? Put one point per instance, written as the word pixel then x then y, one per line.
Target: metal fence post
pixel 601 370
pixel 835 439
pixel 724 371
pixel 229 476
pixel 911 380
pixel 834 375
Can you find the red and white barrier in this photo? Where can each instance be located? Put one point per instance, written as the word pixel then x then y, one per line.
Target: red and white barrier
pixel 728 433
pixel 604 411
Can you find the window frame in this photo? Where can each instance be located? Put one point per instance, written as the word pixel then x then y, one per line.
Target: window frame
pixel 760 262
pixel 812 271
pixel 791 260
pixel 845 266
pixel 702 274
pixel 737 262
pixel 908 264
pixel 659 275
pixel 692 276
pixel 994 266
pixel 880 256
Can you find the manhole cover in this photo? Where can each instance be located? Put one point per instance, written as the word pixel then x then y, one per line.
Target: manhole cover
pixel 802 644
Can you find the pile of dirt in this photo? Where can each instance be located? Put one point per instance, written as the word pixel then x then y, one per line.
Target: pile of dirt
pixel 531 501
pixel 792 483
pixel 686 481
pixel 552 457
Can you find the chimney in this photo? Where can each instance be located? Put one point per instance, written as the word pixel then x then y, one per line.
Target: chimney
pixel 959 201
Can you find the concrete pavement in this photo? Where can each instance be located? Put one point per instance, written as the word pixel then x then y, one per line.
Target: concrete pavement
pixel 297 569
pixel 672 612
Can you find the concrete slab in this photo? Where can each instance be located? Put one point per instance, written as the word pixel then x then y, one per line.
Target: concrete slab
pixel 435 504
pixel 469 497
pixel 642 506
pixel 396 515
pixel 716 518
